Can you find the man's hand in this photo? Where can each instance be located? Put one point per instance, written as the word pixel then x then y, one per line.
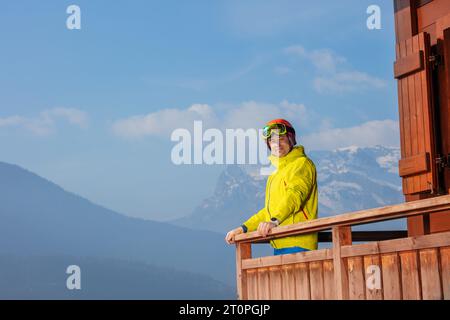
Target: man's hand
pixel 229 238
pixel 265 227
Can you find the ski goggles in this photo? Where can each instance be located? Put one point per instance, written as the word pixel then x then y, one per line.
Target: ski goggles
pixel 276 128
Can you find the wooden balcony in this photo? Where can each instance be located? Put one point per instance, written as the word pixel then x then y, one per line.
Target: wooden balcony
pixel 403 268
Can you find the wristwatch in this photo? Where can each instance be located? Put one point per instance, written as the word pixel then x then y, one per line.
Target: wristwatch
pixel 275 221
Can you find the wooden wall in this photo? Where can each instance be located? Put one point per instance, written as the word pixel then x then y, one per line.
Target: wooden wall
pixel 310 277
pixel 410 268
pixel 424 103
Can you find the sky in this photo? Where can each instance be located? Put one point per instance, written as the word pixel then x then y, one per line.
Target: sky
pixel 93 109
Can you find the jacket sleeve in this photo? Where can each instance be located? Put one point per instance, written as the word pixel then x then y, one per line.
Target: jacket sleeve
pixel 299 185
pixel 254 221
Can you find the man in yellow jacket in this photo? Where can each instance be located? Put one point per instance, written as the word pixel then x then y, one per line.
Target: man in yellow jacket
pixel 291 191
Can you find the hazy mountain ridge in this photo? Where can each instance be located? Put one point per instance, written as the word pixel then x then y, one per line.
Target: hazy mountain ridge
pixel 38 218
pixel 44 277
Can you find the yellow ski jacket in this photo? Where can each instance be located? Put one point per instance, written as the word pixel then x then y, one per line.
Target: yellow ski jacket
pixel 291 197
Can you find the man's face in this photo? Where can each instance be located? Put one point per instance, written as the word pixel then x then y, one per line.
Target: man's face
pixel 279 145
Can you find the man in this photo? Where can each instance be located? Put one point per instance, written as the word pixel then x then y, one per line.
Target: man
pixel 291 191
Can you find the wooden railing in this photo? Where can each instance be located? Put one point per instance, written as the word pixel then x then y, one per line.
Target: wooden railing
pixel 405 268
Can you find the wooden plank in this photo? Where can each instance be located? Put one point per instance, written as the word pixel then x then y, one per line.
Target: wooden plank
pixel 263 284
pixel 286 259
pixel 401 103
pixel 426 112
pixel 405 20
pixel 413 165
pixel 302 283
pixel 442 24
pixel 276 288
pixel 445 103
pixel 252 284
pixel 430 205
pixel 288 281
pixel 356 278
pixel 316 280
pixel 364 236
pixel 405 117
pixel 429 274
pixel 410 275
pixel 431 12
pixel 313 255
pixel 421 3
pixel 261 262
pixel 328 280
pixel 373 277
pixel 390 265
pixel 397 245
pixel 243 251
pixel 444 107
pixel 445 270
pixel 440 221
pixel 341 236
pixel 363 249
pixel 413 108
pixel 408 65
pixel 417 225
pixel 420 125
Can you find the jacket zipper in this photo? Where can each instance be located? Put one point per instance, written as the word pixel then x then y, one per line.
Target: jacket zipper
pixel 305 214
pixel 268 209
pixel 268 199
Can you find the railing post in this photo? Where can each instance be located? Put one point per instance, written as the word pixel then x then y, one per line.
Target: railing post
pixel 243 251
pixel 342 235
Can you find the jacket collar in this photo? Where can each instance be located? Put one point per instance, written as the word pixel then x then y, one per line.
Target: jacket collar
pixel 296 152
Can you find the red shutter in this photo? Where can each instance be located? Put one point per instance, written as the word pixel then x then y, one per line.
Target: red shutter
pixel 412 70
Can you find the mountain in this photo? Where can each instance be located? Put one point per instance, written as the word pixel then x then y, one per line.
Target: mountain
pixel 45 277
pixel 38 218
pixel 236 195
pixel 349 179
pixel 45 228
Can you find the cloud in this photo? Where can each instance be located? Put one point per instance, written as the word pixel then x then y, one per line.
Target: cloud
pixel 163 122
pixel 246 115
pixel 45 122
pixel 73 116
pixel 333 75
pixel 313 130
pixel 324 60
pixel 281 71
pixel 371 133
pixel 349 81
pixel 254 114
pixel 296 50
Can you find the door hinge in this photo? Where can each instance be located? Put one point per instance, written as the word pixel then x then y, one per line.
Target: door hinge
pixel 443 161
pixel 435 60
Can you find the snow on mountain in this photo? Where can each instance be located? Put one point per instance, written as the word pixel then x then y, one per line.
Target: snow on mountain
pixel 349 179
pixel 357 178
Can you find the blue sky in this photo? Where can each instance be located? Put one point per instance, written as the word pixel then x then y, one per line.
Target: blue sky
pixel 76 105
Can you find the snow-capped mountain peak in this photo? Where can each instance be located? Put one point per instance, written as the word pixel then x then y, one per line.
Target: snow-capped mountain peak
pixel 349 179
